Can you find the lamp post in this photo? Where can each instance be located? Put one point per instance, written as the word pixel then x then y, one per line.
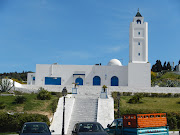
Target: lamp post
pixel 64 93
pixel 118 98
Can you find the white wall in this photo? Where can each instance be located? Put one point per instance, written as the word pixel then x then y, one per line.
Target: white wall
pixel 139 75
pixel 30 80
pixel 66 73
pixel 134 38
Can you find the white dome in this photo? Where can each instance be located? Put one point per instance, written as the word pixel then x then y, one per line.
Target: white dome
pixel 114 62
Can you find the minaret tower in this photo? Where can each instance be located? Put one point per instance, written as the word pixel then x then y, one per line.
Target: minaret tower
pixel 138 40
pixel 139 69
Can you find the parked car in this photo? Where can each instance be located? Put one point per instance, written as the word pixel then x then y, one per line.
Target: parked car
pixel 35 128
pixel 88 128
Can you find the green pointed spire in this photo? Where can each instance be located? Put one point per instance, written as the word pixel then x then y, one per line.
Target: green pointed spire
pixel 138 14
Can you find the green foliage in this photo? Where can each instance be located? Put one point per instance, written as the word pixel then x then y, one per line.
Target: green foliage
pixel 43 94
pixel 54 105
pixel 136 98
pixel 166 79
pixel 21 77
pixel 13 123
pixel 5 85
pixel 2 105
pixel 157 67
pixel 20 99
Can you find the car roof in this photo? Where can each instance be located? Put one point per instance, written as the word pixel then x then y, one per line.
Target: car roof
pixel 35 123
pixel 88 123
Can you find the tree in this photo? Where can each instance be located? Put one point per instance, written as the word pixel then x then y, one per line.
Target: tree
pixel 157 67
pixel 5 85
pixel 164 66
pixel 169 66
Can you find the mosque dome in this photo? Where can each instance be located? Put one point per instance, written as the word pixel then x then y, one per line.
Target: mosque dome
pixel 114 62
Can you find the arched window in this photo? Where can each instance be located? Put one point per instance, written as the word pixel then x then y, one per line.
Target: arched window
pixel 79 81
pixel 139 21
pixel 114 81
pixel 96 80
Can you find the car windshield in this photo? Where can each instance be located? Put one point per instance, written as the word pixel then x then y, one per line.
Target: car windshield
pixel 90 127
pixel 35 128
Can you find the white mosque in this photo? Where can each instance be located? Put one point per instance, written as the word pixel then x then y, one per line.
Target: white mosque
pixel 136 74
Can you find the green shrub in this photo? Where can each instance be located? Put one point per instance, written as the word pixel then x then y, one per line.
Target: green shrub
pixel 54 105
pixel 20 99
pixel 13 123
pixel 18 93
pixel 2 105
pixel 154 94
pixel 127 93
pixel 43 94
pixel 136 98
pixel 177 95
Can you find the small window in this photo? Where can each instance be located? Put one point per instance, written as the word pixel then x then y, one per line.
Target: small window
pixel 139 43
pixel 139 54
pixel 33 78
pixel 139 33
pixel 139 21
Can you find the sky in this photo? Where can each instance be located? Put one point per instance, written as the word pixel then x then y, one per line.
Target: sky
pixel 83 32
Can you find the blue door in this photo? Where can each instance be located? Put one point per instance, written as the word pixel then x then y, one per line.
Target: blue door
pixel 52 80
pixel 79 81
pixel 114 81
pixel 96 80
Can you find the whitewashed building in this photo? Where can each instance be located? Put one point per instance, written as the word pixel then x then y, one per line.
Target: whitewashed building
pixel 136 74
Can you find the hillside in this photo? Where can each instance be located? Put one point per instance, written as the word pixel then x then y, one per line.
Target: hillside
pixel 165 79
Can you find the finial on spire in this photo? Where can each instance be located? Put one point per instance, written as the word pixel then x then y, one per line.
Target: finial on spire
pixel 138 14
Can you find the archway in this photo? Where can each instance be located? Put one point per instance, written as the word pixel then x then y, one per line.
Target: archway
pixel 79 81
pixel 96 80
pixel 114 81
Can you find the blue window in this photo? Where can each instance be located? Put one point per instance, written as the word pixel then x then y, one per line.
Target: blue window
pixel 139 43
pixel 138 21
pixel 79 81
pixel 96 80
pixel 52 81
pixel 33 78
pixel 139 54
pixel 114 81
pixel 139 33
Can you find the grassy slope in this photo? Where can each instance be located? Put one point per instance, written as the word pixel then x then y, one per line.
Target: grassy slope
pixel 152 104
pixel 32 105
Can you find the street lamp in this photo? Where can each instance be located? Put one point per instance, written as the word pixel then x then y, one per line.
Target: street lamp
pixel 118 98
pixel 64 93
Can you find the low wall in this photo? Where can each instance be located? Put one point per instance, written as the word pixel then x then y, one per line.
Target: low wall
pixel 56 124
pixel 105 114
pixel 94 90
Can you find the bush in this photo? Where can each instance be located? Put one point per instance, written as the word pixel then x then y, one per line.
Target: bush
pixel 2 105
pixel 13 123
pixel 136 99
pixel 20 99
pixel 43 94
pixel 54 105
pixel 127 93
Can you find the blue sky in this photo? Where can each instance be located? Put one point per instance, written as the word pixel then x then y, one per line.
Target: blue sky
pixel 83 32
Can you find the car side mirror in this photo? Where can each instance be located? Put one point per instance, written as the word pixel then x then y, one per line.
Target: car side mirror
pixel 52 131
pixel 108 125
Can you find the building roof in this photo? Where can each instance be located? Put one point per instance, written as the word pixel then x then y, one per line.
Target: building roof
pixel 138 14
pixel 114 62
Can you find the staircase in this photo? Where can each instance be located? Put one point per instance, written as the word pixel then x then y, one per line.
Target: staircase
pixel 84 110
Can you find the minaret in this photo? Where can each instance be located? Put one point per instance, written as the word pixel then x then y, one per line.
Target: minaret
pixel 139 69
pixel 138 40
